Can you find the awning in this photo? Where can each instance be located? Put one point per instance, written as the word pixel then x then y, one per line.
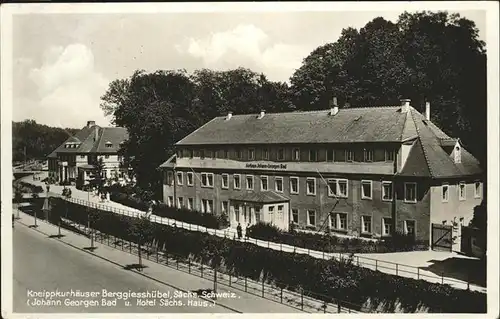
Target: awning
pixel 264 197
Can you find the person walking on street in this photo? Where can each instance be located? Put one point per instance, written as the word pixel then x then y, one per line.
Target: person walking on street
pixel 238 230
pixel 247 233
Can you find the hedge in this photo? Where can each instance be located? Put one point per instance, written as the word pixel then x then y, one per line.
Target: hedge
pixel 333 244
pixel 32 188
pixel 336 279
pixel 181 214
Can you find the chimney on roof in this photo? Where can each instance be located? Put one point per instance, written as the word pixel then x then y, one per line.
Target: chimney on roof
pixel 405 105
pixel 428 111
pixel 334 109
pixel 229 115
pixel 90 123
pixel 96 133
pixel 262 113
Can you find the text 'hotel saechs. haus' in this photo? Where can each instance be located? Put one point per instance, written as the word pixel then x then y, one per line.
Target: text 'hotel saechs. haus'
pixel 355 171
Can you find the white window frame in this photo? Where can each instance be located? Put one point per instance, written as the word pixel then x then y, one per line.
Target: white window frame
pixel 293 220
pixel 296 158
pixel 188 174
pixel 363 196
pixel 204 205
pixel 207 179
pixel 337 182
pixel 265 154
pixel 262 182
pixel 363 230
pixel 225 210
pixel 180 202
pixel 307 186
pixel 384 226
pixel 209 154
pixel 234 181
pixel 383 191
pixel 309 216
pixel 447 186
pixel 246 182
pixel 292 178
pixel 367 152
pixel 190 203
pixel 276 179
pixel 170 201
pixel 222 181
pixel 210 205
pixel 251 151
pixel 349 156
pixel 460 197
pixel 315 152
pixel 406 200
pixel 477 194
pixel 337 217
pixel 405 226
pixel 278 154
pixel 386 159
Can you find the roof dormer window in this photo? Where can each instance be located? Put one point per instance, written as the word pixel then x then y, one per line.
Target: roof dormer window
pixel 109 144
pixel 458 154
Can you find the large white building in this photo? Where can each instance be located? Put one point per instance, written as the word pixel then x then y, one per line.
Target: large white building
pixel 76 157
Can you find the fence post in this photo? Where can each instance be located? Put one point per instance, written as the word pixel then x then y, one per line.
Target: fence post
pixel 324 307
pixel 130 246
pixel 281 247
pixel 301 299
pixel 396 269
pixel 166 258
pixel 442 277
pixel 157 255
pixel 268 244
pixel 177 261
pixel 262 287
pixel 358 260
pixel 245 284
pixel 418 273
pixel 114 241
pixel 189 265
pixel 376 264
pixel 198 227
pixel 201 270
pixel 339 308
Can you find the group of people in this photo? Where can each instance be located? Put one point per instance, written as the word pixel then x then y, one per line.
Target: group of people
pixel 239 231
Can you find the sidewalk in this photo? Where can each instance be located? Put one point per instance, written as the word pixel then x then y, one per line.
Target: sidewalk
pixel 243 303
pixel 363 260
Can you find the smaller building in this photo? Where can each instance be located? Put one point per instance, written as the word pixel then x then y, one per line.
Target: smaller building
pixel 77 156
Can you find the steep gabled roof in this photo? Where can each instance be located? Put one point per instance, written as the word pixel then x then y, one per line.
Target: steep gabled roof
pixel 93 140
pixel 381 124
pixel 433 145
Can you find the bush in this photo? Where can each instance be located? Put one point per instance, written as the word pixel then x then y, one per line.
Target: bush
pixel 322 279
pixel 191 216
pixel 334 244
pixel 129 201
pixel 30 188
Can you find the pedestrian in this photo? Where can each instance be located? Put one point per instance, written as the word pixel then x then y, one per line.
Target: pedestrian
pixel 238 230
pixel 247 233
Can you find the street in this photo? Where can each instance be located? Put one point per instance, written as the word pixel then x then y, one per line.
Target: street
pixel 44 264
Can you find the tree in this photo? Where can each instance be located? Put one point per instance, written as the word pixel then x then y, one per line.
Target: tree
pixel 425 56
pixel 37 140
pixel 142 230
pixel 480 221
pixel 97 171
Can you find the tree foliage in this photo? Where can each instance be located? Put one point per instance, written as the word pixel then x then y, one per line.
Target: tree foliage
pixel 424 56
pixel 38 140
pixel 160 108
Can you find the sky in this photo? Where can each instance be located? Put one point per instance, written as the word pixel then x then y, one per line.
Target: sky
pixel 63 63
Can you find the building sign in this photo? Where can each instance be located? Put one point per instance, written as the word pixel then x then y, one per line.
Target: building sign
pixel 266 166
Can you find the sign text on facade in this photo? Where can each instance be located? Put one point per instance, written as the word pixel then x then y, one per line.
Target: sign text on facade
pixel 266 166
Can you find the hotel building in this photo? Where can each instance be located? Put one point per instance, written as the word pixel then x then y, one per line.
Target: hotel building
pixel 76 157
pixel 355 171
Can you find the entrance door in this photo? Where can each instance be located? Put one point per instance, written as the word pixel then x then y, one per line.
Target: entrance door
pixel 441 237
pixel 257 214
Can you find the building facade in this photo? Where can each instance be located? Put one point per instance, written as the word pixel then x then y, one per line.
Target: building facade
pixel 77 156
pixel 357 171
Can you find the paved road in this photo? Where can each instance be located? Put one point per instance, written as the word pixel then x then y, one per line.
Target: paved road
pixel 42 263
